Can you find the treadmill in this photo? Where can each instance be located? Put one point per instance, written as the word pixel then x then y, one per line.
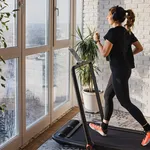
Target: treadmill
pixel 79 134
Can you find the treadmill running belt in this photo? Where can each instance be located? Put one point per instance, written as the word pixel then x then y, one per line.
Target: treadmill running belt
pixel 117 139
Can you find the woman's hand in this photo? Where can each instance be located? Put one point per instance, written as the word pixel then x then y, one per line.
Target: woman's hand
pixel 96 37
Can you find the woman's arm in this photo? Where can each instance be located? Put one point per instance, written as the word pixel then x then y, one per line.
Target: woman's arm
pixel 138 47
pixel 105 50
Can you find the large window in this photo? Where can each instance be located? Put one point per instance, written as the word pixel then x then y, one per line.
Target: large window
pixel 37 68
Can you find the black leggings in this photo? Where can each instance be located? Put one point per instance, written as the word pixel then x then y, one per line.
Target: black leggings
pixel 118 85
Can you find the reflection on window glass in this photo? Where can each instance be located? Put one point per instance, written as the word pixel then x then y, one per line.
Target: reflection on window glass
pixel 61 76
pixel 36 88
pixel 11 34
pixel 36 23
pixel 79 14
pixel 63 19
pixel 9 97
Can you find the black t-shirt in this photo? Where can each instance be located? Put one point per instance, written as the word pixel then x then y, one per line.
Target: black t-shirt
pixel 121 54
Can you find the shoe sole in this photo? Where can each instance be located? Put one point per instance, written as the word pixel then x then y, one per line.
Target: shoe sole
pixel 101 133
pixel 146 143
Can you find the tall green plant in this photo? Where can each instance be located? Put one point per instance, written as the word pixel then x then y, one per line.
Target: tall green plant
pixel 87 50
pixel 4 20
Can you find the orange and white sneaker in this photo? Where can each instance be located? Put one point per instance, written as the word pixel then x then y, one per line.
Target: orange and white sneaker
pixel 98 129
pixel 146 140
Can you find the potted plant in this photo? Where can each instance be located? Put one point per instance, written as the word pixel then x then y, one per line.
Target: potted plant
pixel 87 50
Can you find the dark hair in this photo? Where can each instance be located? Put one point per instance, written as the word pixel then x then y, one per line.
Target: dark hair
pixel 119 14
pixel 130 19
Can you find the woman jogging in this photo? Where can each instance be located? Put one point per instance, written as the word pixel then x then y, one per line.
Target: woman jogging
pixel 117 50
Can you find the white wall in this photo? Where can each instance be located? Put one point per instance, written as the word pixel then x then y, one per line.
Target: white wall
pixel 95 12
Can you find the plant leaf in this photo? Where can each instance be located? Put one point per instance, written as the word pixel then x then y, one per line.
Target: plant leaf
pixel 3 85
pixel 3 78
pixel 1 58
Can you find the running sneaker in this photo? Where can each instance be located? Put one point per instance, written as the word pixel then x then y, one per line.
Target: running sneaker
pixel 98 129
pixel 146 140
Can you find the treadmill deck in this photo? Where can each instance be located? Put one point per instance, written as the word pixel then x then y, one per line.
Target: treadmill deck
pixel 117 138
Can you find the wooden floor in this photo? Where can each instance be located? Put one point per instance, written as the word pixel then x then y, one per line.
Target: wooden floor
pixel 36 143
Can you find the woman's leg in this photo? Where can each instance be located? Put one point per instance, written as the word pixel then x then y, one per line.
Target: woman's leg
pixel 120 84
pixel 108 97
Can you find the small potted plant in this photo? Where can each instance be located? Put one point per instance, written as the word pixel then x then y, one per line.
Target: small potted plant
pixel 87 50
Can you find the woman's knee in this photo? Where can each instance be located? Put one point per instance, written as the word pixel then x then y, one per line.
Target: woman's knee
pixel 109 96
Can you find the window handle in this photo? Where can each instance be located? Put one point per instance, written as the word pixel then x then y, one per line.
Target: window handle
pixel 57 9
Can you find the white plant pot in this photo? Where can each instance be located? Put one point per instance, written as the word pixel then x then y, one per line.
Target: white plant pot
pixel 90 101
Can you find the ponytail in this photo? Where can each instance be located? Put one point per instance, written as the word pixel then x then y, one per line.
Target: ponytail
pixel 130 19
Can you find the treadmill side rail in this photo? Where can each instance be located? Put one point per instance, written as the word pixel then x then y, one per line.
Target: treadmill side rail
pixel 85 128
pixel 86 132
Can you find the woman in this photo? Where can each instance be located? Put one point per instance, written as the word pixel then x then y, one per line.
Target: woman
pixel 117 49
